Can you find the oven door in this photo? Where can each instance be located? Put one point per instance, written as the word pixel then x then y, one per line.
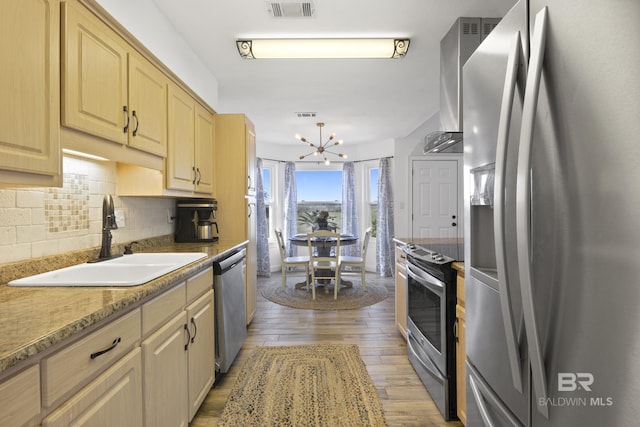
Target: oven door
pixel 427 313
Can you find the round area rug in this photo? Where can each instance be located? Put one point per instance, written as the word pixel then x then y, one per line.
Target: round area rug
pixel 348 298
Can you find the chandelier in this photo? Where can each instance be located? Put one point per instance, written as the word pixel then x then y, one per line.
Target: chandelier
pixel 322 148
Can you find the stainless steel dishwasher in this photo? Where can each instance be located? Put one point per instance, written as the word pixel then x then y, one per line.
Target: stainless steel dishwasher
pixel 230 316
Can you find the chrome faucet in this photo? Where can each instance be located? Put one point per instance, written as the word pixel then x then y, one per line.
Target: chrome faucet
pixel 108 224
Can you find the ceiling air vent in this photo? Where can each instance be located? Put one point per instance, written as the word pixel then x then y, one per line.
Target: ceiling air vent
pixel 291 9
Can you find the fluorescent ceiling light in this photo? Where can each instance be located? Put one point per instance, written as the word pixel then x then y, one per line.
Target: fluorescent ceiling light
pixel 322 48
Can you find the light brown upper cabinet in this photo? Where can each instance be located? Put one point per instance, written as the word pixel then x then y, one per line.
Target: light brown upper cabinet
pixel 29 115
pixel 189 163
pixel 108 89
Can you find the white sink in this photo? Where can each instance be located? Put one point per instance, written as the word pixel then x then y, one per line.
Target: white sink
pixel 128 270
pixel 182 258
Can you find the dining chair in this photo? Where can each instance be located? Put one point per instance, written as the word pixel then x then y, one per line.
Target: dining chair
pixel 357 261
pixel 322 260
pixel 291 261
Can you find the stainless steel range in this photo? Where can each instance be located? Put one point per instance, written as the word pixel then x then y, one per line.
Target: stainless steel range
pixel 431 283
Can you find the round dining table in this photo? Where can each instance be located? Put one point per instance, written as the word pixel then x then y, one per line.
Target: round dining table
pixel 324 245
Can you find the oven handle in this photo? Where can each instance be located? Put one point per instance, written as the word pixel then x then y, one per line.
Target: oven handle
pixel 425 279
pixel 426 363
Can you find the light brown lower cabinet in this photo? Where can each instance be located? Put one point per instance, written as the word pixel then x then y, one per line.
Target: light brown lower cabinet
pixel 165 366
pixel 112 399
pixel 20 397
pixel 461 378
pixel 179 357
pixel 152 366
pixel 401 291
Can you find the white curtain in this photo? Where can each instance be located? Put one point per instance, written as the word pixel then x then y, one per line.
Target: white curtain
pixel 264 265
pixel 290 206
pixel 385 232
pixel 349 208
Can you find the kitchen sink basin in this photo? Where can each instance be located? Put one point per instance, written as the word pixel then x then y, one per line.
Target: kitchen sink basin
pixel 128 270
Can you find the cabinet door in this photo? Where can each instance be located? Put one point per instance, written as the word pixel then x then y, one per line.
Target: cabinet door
pixel 250 140
pixel 401 300
pixel 148 106
pixel 164 356
pixel 94 76
pixel 112 399
pixel 461 383
pixel 204 150
pixel 20 397
pixel 29 84
pixel 201 351
pixel 180 168
pixel 251 273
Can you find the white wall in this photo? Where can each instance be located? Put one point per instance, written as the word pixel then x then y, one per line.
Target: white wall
pixel 405 148
pixel 145 22
pixel 36 222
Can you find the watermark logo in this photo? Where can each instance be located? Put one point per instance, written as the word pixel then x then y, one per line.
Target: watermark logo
pixel 572 382
pixel 569 381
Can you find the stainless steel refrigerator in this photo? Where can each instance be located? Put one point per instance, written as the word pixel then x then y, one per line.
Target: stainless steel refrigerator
pixel 552 210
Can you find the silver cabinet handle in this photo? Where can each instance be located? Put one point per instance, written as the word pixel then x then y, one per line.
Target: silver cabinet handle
pixel 499 209
pixel 523 207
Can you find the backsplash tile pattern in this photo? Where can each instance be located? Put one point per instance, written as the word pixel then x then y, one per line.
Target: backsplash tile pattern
pixel 67 208
pixel 37 222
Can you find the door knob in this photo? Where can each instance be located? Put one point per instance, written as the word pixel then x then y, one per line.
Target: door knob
pixel 453 224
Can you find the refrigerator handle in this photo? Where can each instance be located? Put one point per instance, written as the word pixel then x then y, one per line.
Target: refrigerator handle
pixel 484 396
pixel 499 209
pixel 523 208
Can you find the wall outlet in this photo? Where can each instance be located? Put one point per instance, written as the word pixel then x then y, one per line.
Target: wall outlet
pixel 120 218
pixel 170 218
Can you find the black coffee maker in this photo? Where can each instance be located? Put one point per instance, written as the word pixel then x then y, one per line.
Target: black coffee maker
pixel 196 220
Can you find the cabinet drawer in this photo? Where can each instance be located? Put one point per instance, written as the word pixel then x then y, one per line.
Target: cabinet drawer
pixel 83 360
pixel 199 284
pixel 20 397
pixel 162 308
pixel 401 257
pixel 114 398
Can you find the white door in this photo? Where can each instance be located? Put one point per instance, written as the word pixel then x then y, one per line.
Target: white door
pixel 435 199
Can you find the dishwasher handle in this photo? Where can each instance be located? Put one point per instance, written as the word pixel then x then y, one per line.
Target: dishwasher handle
pixel 220 267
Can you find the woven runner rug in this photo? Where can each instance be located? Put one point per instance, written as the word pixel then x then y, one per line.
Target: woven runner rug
pixel 348 298
pixel 304 386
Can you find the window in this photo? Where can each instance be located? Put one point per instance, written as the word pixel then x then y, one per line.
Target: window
pixel 373 199
pixel 318 190
pixel 268 185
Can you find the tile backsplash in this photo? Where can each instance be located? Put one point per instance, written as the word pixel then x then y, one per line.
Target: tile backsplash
pixel 36 222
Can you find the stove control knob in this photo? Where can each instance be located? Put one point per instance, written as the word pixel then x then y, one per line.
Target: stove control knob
pixel 439 258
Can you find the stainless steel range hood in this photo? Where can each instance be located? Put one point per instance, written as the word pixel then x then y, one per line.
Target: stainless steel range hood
pixel 456 47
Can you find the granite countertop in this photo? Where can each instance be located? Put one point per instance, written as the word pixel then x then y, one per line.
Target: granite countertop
pixel 33 319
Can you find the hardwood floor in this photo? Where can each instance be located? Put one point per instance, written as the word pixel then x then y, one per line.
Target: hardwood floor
pixel 405 400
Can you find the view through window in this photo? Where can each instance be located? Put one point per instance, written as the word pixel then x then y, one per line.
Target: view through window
pixel 268 191
pixel 319 191
pixel 373 199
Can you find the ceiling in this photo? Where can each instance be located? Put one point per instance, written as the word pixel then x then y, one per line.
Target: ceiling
pixel 361 100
